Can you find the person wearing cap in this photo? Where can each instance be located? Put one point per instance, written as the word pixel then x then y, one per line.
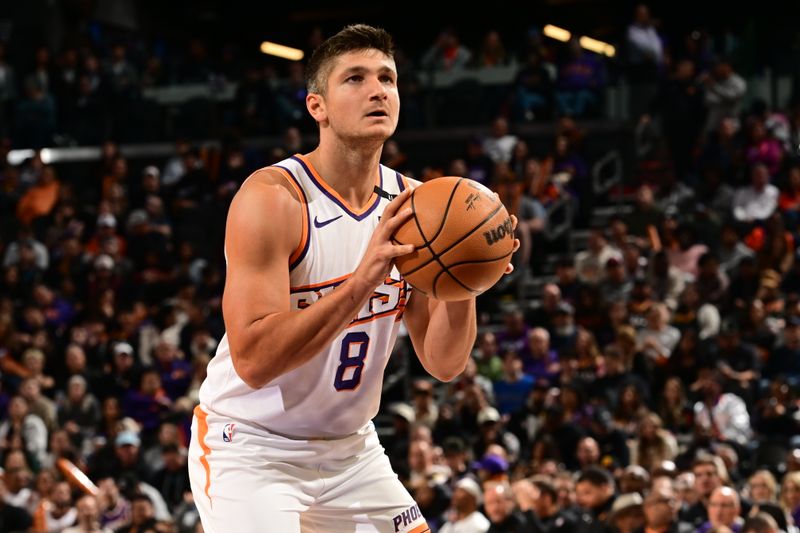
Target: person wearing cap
pixel 492 431
pixel 565 333
pixel 501 509
pixel 491 467
pixel 626 514
pixel 464 514
pixel 617 284
pixel 426 412
pixel 106 229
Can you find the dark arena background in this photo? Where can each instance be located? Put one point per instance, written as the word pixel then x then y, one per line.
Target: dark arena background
pixel 638 372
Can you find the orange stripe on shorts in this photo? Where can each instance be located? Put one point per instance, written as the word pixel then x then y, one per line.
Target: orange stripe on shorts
pixel 202 431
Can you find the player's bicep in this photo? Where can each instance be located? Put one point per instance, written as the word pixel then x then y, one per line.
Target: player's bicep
pixel 263 230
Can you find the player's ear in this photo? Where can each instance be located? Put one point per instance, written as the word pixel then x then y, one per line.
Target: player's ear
pixel 315 104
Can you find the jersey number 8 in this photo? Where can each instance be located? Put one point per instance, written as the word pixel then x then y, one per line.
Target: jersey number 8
pixel 352 356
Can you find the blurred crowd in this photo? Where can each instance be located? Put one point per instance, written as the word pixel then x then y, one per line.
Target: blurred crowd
pixel 650 386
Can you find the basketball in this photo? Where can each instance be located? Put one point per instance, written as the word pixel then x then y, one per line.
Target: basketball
pixel 462 236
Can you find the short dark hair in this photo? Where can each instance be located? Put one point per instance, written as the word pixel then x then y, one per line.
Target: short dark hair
pixel 596 476
pixel 351 38
pixel 546 487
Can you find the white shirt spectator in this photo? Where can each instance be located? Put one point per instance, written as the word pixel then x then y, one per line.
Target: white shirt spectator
pixel 591 266
pixel 661 342
pixel 729 416
pixel 751 204
pixel 34 434
pixel 645 45
pixel 473 523
pixel 500 145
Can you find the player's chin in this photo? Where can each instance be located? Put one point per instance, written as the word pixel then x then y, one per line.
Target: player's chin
pixel 375 135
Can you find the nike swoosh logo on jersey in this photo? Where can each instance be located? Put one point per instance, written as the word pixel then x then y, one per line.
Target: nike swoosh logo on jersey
pixel 318 224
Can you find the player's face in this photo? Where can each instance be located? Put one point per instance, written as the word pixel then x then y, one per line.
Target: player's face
pixel 361 100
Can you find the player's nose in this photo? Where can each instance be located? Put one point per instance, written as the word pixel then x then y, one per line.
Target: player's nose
pixel 378 90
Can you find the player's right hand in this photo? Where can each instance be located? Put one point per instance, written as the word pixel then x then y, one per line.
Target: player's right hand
pixel 381 251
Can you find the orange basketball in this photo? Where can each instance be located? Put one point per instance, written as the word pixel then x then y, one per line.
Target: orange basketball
pixel 463 239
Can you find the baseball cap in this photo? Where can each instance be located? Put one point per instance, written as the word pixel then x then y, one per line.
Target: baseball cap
pixel 123 347
pixel 494 464
pixel 626 502
pixel 488 414
pixel 471 487
pixel 404 411
pixel 127 438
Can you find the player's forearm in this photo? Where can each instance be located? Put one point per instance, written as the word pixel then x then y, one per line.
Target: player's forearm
pixel 449 338
pixel 282 342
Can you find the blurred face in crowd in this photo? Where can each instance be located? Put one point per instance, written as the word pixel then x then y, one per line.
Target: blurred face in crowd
pixel 488 345
pixel 706 479
pixel 590 496
pixel 45 481
pixel 88 511
pixel 685 488
pixel 723 507
pixel 761 486
pixel 498 501
pixel 61 497
pixel 791 337
pixel 463 501
pixel 141 511
pixel 790 491
pixel 660 507
pixel 759 176
pixel 420 456
pixel 566 491
pixel 588 452
pixel 538 343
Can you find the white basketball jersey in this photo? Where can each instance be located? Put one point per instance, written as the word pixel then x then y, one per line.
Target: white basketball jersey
pixel 338 391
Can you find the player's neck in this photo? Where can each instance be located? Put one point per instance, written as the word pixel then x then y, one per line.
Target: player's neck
pixel 351 172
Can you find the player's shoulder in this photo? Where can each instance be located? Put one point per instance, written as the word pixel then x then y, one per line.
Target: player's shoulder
pixel 267 190
pixel 269 184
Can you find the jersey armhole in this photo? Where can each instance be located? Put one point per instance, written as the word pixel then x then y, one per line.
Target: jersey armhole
pixel 302 247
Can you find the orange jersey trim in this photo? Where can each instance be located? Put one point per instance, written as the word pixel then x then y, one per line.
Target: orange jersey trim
pixel 305 231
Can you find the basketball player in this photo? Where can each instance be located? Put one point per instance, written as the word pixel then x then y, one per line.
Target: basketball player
pixel 283 440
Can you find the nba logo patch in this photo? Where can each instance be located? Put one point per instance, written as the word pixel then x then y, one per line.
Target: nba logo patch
pixel 227 432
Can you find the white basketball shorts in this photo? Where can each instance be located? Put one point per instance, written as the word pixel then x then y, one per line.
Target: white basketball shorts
pixel 248 480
